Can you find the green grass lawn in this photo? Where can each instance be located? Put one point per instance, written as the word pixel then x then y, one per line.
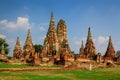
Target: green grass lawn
pixel 5 65
pixel 98 74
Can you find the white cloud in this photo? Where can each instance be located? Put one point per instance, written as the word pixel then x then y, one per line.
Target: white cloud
pixel 101 44
pixel 11 41
pixel 21 23
pixel 84 39
pixel 42 29
pixel 102 39
pixel 2 36
pixel 42 37
pixel 78 43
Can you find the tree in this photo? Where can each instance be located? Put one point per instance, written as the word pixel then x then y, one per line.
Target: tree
pixel 38 47
pixel 6 46
pixel 118 54
pixel 75 55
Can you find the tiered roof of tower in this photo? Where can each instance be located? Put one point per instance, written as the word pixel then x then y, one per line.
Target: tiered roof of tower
pixel 61 30
pixel 81 52
pixel 17 50
pixel 90 50
pixel 63 40
pixel 17 45
pixel 52 23
pixel 110 53
pixel 28 39
pixel 62 35
pixel 28 49
pixel 51 41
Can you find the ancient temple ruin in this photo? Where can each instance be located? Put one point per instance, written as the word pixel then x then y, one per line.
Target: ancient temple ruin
pixel 81 51
pixel 28 49
pixel 89 50
pixel 56 43
pixel 65 51
pixel 110 53
pixel 99 58
pixel 51 43
pixel 17 53
pixel 56 49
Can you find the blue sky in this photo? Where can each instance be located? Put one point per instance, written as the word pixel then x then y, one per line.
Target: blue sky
pixel 103 16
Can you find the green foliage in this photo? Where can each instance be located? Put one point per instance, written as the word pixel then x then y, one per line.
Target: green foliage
pixel 118 54
pixel 75 55
pixel 38 47
pixel 9 57
pixel 6 46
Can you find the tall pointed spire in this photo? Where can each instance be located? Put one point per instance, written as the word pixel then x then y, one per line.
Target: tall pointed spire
pixel 81 52
pixel 52 23
pixel 82 45
pixel 90 50
pixel 51 39
pixel 52 16
pixel 28 39
pixel 28 49
pixel 110 50
pixel 89 34
pixel 110 45
pixel 17 50
pixel 3 49
pixel 17 46
pixel 89 31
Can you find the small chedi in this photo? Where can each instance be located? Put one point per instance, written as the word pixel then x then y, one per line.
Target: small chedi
pixel 3 56
pixel 28 49
pixel 89 52
pixel 56 49
pixel 81 53
pixel 17 53
pixel 110 53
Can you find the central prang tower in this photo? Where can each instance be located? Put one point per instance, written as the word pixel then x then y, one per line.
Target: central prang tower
pixel 51 44
pixel 56 43
pixel 65 51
